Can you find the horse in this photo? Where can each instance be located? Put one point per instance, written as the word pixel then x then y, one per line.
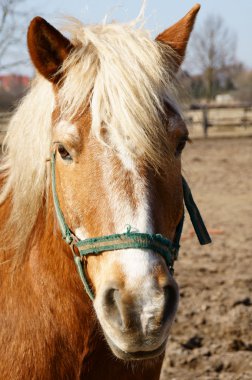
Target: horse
pixel 92 194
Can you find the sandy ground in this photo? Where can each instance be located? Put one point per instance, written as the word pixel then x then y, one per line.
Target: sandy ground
pixel 212 335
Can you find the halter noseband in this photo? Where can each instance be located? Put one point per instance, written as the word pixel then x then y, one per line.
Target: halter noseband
pixel 156 242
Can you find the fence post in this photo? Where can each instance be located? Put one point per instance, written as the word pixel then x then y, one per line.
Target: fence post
pixel 205 124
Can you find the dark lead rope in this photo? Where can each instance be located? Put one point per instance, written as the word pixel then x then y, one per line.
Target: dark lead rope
pixel 156 242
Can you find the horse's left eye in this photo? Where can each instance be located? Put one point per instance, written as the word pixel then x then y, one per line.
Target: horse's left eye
pixel 180 147
pixel 64 153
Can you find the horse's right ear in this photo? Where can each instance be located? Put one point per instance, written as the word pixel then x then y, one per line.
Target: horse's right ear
pixel 177 36
pixel 48 48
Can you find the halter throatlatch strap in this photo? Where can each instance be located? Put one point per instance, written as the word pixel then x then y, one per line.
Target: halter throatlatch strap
pixel 166 248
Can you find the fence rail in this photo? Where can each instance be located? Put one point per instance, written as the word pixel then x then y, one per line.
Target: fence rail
pixel 218 120
pixel 202 120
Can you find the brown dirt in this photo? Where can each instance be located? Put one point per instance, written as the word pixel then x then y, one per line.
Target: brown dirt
pixel 212 335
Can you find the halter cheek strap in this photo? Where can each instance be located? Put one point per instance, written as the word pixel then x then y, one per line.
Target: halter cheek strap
pixel 130 239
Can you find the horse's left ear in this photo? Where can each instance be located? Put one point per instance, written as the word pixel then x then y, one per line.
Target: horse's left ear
pixel 177 36
pixel 48 48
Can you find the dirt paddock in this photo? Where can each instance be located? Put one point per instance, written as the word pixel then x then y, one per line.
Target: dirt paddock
pixel 212 336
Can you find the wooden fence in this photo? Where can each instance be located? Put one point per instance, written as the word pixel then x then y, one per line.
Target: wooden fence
pixel 219 120
pixel 211 120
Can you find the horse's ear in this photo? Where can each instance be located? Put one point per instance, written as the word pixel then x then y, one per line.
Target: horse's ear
pixel 177 36
pixel 48 48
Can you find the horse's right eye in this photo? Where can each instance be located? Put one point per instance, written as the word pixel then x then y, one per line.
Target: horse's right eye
pixel 64 153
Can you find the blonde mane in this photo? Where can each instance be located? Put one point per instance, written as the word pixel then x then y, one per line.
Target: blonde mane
pixel 123 75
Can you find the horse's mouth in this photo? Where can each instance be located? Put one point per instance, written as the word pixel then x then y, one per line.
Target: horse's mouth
pixel 136 355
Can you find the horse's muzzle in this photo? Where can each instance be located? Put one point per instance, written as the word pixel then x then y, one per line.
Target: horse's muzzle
pixel 136 323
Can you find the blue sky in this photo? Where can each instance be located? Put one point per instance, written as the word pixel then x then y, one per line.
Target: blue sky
pixel 160 14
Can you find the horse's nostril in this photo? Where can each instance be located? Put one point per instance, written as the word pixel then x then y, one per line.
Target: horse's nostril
pixel 112 304
pixel 168 291
pixel 109 299
pixel 171 301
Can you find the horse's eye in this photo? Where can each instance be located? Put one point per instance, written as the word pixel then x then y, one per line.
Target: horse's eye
pixel 180 147
pixel 64 153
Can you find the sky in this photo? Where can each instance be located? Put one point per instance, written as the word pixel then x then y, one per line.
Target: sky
pixel 160 14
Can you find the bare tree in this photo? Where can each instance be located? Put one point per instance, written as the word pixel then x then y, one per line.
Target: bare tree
pixel 212 52
pixel 12 19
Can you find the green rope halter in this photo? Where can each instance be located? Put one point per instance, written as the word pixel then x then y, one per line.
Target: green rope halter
pixel 130 239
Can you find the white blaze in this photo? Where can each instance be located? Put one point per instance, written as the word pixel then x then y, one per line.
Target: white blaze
pixel 136 263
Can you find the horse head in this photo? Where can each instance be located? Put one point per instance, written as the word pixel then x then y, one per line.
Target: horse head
pixel 117 139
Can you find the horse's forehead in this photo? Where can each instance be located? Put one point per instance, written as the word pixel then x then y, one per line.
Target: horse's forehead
pixel 65 130
pixel 117 155
pixel 77 133
pixel 72 130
